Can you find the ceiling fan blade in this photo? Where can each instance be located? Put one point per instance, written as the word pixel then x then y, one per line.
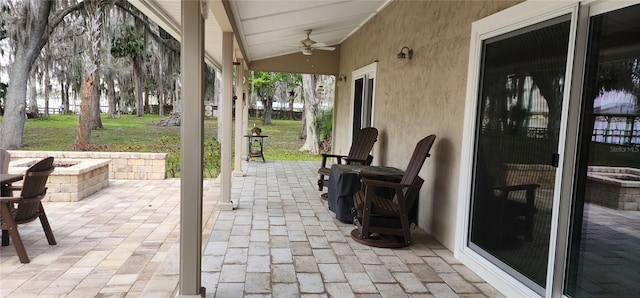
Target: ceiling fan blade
pixel 325 48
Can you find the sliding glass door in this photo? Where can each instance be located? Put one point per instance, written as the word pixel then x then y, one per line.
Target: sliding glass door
pixel 517 134
pixel 604 254
pixel 554 183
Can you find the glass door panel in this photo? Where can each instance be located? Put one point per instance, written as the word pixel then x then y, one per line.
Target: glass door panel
pixel 604 249
pixel 517 134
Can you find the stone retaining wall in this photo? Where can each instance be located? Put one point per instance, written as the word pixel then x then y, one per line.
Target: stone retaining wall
pixel 72 183
pixel 543 175
pixel 606 186
pixel 124 165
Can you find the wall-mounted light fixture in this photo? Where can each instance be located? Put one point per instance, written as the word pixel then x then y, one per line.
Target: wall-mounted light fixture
pixel 342 78
pixel 402 54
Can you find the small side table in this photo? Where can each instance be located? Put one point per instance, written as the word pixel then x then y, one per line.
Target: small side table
pixel 255 146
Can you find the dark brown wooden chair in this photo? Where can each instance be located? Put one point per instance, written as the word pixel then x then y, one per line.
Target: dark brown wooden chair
pixel 358 154
pixel 27 207
pixel 384 222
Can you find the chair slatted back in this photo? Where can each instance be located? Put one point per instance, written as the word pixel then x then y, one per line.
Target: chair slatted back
pixel 420 154
pixel 5 157
pixel 363 143
pixel 33 190
pixel 411 195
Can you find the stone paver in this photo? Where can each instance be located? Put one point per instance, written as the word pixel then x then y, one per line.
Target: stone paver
pixel 120 241
pixel 280 217
pixel 281 241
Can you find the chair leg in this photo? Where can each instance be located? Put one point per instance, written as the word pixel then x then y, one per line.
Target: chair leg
pixel 5 238
pixel 46 227
pixel 366 215
pixel 406 227
pixel 13 232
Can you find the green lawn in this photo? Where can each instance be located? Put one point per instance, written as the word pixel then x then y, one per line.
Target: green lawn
pixel 124 133
pixel 139 134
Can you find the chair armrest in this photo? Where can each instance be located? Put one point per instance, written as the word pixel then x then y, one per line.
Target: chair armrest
pixel 11 199
pixel 518 187
pixel 387 184
pixel 326 156
pixel 353 160
pixel 381 177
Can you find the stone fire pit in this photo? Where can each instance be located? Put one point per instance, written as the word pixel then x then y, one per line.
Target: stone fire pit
pixel 72 180
pixel 614 187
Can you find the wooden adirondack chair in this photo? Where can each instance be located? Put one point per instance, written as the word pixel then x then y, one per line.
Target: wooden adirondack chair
pixel 358 154
pixel 27 207
pixel 382 222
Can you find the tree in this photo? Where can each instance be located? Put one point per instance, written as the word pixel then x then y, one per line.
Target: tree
pixel 310 108
pixel 90 66
pixel 130 45
pixel 264 86
pixel 29 24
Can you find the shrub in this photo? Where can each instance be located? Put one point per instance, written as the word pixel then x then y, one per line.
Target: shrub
pixel 211 156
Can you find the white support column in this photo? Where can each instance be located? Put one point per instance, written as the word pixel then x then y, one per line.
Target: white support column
pixel 224 117
pixel 191 152
pixel 245 116
pixel 239 135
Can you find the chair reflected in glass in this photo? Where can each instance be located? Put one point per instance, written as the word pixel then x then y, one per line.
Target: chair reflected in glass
pixel 503 212
pixel 26 207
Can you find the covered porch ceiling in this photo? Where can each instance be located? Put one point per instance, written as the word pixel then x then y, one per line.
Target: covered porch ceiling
pixel 267 33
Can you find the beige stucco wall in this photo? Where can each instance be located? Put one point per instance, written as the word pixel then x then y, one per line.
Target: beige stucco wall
pixel 418 97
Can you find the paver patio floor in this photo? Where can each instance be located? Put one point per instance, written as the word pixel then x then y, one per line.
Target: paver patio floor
pixel 281 241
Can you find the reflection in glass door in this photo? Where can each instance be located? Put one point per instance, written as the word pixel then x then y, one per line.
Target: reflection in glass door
pixel 517 135
pixel 604 250
pixel 363 85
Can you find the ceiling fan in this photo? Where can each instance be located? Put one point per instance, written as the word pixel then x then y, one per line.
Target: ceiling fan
pixel 308 45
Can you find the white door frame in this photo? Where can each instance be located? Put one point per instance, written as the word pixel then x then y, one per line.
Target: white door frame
pixel 516 17
pixel 511 19
pixel 365 73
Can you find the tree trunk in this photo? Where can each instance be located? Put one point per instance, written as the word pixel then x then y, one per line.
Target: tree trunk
pixel 111 94
pixel 161 97
pixel 303 124
pixel 64 99
pixel 268 109
pixel 147 108
pixel 96 121
pixel 291 108
pixel 33 94
pixel 47 92
pixel 65 96
pixel 310 107
pixel 15 112
pixel 176 95
pixel 137 88
pixel 83 137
